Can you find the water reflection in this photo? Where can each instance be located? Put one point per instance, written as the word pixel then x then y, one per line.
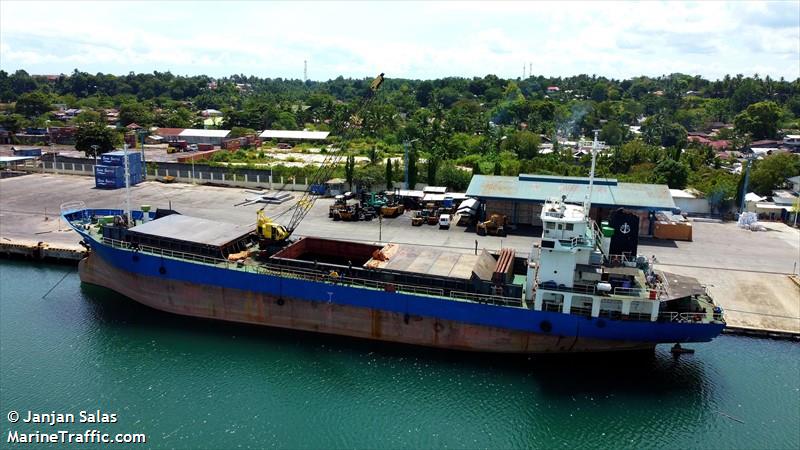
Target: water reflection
pixel 646 374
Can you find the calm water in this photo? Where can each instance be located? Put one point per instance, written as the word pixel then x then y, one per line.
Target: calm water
pixel 200 384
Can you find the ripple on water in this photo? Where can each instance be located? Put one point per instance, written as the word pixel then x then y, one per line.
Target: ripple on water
pixel 201 384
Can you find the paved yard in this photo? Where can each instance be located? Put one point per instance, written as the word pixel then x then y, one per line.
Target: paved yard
pixel 746 271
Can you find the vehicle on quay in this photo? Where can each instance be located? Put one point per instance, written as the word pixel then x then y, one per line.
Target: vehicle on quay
pixel 444 221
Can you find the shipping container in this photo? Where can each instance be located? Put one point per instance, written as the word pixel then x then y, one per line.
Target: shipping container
pixel 231 145
pixel 676 231
pixel 205 147
pixel 113 177
pixel 109 171
pixel 117 158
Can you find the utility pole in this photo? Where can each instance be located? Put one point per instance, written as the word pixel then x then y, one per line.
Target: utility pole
pixel 95 147
pixel 587 206
pixel 305 71
pixel 749 161
pixel 53 152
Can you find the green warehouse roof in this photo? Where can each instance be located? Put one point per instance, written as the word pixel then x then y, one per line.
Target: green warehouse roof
pixel 606 192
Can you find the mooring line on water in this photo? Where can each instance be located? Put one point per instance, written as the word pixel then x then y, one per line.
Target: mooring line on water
pixel 56 285
pixel 762 314
pixel 730 417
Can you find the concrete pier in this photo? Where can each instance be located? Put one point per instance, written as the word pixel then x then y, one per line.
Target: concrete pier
pixel 41 250
pixel 747 273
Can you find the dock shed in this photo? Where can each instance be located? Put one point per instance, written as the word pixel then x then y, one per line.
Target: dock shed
pixel 294 135
pixel 198 136
pixel 521 198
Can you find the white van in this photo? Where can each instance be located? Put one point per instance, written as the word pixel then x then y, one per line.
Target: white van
pixel 444 221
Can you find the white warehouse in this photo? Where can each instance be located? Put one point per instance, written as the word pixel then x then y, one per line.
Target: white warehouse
pixel 198 136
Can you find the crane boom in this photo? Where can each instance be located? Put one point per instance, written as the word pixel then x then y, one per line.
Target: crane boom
pixel 328 165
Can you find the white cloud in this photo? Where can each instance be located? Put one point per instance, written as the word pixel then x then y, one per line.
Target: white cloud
pixel 415 40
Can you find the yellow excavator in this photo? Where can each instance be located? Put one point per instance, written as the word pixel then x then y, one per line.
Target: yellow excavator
pixel 271 233
pixel 269 230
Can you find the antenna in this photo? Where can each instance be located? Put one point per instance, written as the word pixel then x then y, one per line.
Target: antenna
pixel 587 204
pixel 305 70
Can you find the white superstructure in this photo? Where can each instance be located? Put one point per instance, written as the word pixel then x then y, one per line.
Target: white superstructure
pixel 571 271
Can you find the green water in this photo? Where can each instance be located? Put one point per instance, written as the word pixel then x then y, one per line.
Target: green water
pixel 189 383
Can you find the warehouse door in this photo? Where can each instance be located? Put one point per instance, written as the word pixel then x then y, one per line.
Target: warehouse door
pixel 524 213
pixel 536 214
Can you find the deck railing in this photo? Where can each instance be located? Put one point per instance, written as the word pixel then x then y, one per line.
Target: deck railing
pixel 331 276
pixel 631 292
pixel 484 298
pixel 589 289
pixel 688 317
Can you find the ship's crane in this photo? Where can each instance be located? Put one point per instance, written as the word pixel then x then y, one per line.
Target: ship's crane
pixel 274 233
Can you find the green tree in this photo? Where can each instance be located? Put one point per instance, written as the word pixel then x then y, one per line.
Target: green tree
pixel 32 104
pixel 178 118
pixel 453 177
pixel 660 130
pixel 373 154
pixel 498 169
pixel 759 119
pixel 89 116
pixel 748 92
pixel 136 113
pixel 350 170
pixel 524 143
pixel 89 134
pixel 412 169
pixel 613 133
pixel 672 173
pixel 599 92
pixel 286 121
pixel 13 122
pixel 772 172
pixel 476 168
pixel 432 166
pixel 241 131
pixel 389 174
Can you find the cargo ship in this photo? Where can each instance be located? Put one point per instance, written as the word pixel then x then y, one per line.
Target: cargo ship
pixel 582 288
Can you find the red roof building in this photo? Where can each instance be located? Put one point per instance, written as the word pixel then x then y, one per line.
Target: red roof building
pixel 720 145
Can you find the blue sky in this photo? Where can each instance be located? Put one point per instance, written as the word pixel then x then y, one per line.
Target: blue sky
pixel 407 39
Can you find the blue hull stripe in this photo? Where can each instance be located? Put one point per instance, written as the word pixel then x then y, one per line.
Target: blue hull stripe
pixel 566 325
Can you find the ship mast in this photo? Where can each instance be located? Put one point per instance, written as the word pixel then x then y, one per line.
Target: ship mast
pixel 127 186
pixel 587 204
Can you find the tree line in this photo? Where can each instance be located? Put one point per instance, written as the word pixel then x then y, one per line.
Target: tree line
pixel 458 126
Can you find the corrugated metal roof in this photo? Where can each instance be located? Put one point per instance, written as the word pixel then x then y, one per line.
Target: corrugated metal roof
pixel 291 134
pixel 608 192
pixel 204 133
pixel 4 159
pixel 680 193
pixel 193 229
